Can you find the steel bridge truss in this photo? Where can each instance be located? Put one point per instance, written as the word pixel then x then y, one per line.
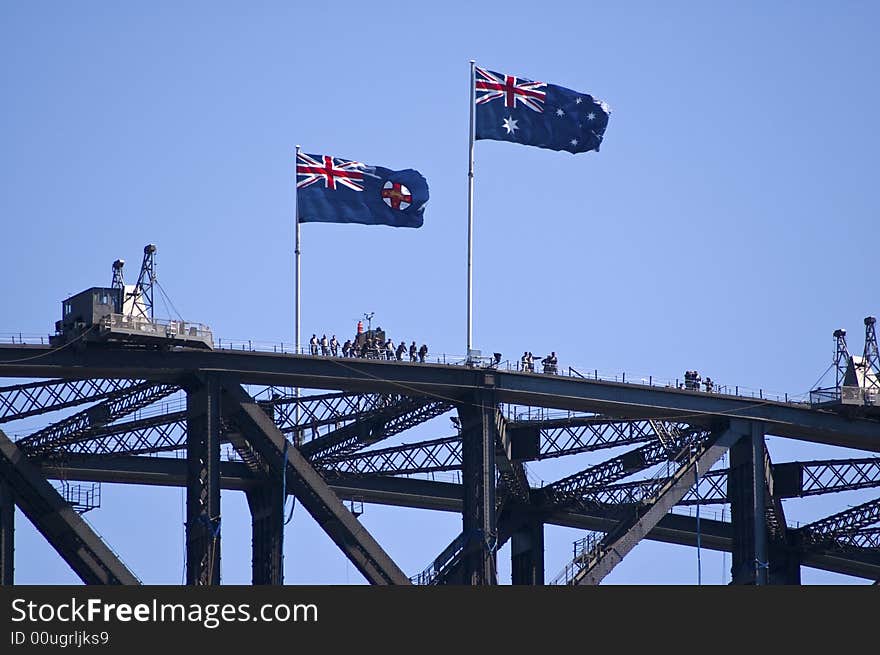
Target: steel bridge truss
pixel 855 527
pixel 801 479
pixel 35 398
pixel 322 449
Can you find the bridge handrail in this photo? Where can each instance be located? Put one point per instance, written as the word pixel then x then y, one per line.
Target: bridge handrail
pixel 582 551
pixel 513 366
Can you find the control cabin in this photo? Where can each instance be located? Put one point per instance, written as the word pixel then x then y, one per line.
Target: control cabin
pixel 95 315
pixel 860 384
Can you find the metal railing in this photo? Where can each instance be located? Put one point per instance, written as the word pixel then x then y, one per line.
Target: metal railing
pixel 157 327
pixel 81 496
pixel 434 569
pixel 583 550
pixel 488 363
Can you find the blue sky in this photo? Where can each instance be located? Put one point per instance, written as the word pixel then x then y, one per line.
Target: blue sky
pixel 728 223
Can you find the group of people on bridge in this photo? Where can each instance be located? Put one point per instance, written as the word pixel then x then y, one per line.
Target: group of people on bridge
pixel 692 381
pixel 550 363
pixel 368 347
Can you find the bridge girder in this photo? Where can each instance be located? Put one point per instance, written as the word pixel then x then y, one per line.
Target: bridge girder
pixel 452 383
pixel 581 495
pixel 674 528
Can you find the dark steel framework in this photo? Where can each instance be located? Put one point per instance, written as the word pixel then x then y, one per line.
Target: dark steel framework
pixel 237 424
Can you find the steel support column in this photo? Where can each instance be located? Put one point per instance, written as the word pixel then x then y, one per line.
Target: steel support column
pixel 527 553
pixel 310 488
pixel 73 538
pixel 267 526
pixel 7 534
pixel 478 481
pixel 748 508
pixel 785 563
pixel 203 483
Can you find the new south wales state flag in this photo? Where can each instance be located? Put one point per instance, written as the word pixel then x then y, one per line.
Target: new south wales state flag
pixel 334 190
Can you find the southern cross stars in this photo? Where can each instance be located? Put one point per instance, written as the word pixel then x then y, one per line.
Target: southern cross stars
pixel 559 112
pixel 510 125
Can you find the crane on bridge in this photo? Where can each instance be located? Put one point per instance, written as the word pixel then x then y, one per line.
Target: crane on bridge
pixel 125 314
pixel 857 377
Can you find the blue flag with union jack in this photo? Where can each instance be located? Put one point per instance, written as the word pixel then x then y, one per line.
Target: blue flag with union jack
pixel 334 190
pixel 510 108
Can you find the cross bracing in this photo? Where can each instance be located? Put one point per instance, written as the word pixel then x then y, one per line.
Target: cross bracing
pixel 340 438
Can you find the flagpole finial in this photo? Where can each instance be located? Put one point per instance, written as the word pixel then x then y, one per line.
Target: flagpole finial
pixel 473 61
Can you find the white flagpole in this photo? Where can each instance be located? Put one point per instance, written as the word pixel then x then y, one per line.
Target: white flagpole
pixel 470 264
pixel 296 434
pixel 297 252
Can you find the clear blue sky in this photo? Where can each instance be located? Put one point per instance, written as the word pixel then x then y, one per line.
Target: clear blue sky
pixel 727 225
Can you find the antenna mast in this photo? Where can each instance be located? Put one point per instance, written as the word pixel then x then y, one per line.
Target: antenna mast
pixel 841 356
pixel 143 289
pixel 118 283
pixel 871 358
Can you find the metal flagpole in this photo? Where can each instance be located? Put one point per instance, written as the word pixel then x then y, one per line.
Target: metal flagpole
pixel 297 253
pixel 296 434
pixel 470 264
pixel 697 490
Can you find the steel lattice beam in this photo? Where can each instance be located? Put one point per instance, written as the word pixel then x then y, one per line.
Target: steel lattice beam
pixel 575 488
pixel 560 437
pixel 156 434
pixel 617 543
pixel 34 398
pixel 423 457
pixel 310 489
pixel 82 425
pixel 866 538
pixel 167 433
pixel 324 410
pixel 843 523
pixel 800 479
pixel 299 414
pixel 820 477
pixel 712 490
pixel 76 542
pixel 373 427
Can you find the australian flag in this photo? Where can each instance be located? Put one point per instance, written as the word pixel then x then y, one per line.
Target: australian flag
pixel 515 109
pixel 334 190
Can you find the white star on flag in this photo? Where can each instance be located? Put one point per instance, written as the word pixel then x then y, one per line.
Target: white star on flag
pixel 510 125
pixel 591 116
pixel 559 112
